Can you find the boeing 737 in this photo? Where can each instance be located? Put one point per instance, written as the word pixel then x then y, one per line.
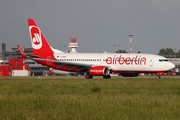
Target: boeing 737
pixel 94 64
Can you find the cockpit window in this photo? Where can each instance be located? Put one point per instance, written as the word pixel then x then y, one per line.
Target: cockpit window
pixel 163 60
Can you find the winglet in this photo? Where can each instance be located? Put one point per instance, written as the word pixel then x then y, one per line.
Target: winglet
pixel 21 52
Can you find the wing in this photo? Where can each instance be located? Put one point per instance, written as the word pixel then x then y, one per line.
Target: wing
pixel 22 52
pixel 80 66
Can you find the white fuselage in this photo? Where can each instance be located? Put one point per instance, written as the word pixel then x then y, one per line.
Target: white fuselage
pixel 119 62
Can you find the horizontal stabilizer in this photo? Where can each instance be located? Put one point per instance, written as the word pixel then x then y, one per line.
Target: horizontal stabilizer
pixel 21 52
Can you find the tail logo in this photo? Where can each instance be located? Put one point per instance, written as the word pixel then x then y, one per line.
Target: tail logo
pixel 35 35
pixel 36 39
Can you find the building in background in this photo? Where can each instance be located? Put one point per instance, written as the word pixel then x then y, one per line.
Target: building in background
pixel 73 45
pixel 10 61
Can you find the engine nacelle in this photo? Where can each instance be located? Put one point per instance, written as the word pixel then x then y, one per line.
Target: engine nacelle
pixel 129 74
pixel 99 71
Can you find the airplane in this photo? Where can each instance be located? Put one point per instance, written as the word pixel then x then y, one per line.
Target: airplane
pixel 94 64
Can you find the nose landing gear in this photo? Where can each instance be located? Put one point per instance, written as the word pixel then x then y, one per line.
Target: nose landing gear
pixel 158 77
pixel 159 74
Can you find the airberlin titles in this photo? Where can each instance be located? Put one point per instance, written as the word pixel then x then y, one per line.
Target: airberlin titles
pixel 121 60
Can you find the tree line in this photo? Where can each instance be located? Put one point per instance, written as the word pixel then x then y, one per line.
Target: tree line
pixel 167 52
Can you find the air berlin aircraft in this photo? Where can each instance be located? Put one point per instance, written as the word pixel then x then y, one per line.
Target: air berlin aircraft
pixel 94 64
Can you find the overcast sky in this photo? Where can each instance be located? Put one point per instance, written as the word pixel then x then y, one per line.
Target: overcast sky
pixel 99 24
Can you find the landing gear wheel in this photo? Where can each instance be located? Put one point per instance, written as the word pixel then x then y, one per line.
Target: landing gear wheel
pixel 87 76
pixel 106 77
pixel 158 77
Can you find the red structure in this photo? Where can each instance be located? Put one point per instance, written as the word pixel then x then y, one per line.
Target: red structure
pixel 73 39
pixel 4 70
pixel 73 45
pixel 130 50
pixel 13 64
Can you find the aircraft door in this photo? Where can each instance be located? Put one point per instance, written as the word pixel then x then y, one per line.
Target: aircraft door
pixel 48 57
pixel 100 62
pixel 151 62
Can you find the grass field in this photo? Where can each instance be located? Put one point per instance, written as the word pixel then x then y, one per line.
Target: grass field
pixel 75 98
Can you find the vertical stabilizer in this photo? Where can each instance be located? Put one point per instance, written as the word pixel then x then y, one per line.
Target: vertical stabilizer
pixel 40 45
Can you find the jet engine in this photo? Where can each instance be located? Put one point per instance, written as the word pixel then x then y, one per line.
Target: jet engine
pixel 99 71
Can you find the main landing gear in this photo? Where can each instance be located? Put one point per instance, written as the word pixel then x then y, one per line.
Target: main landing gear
pixel 106 77
pixel 88 76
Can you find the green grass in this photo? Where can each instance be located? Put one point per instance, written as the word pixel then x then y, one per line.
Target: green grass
pixel 75 98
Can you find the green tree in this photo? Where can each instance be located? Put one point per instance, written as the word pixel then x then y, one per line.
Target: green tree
pixel 178 54
pixel 162 52
pixel 168 52
pixel 121 51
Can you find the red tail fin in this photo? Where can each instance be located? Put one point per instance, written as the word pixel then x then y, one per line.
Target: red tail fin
pixel 40 45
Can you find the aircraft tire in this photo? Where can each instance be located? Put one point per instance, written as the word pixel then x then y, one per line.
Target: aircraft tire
pixel 106 77
pixel 87 76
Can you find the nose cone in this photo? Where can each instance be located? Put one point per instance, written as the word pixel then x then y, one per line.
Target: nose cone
pixel 171 65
